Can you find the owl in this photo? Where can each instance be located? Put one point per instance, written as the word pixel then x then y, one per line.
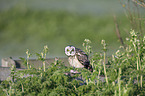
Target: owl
pixel 77 58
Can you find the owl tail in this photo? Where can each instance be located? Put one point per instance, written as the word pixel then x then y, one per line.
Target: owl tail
pixel 88 66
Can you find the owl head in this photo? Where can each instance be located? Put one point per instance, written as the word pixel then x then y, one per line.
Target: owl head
pixel 70 50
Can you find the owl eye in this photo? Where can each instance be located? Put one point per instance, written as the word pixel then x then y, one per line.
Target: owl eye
pixel 67 50
pixel 72 49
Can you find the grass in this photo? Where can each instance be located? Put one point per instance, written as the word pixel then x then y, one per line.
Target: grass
pixel 124 75
pixel 23 28
pixel 123 72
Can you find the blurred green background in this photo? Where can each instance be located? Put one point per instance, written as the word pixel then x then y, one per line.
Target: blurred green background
pixel 31 24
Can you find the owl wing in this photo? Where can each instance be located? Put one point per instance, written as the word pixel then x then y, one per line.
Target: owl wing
pixel 82 57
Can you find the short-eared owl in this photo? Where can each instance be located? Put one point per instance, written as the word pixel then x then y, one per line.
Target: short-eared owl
pixel 77 58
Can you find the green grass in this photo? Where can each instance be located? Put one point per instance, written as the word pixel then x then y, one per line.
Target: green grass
pixel 23 28
pixel 123 74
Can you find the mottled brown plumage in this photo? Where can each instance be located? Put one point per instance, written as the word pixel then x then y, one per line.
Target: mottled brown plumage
pixel 83 59
pixel 79 59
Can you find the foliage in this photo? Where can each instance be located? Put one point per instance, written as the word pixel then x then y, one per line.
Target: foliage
pixel 119 75
pixel 87 47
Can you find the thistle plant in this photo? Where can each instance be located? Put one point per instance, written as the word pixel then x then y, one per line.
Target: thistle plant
pixel 11 88
pixel 45 51
pixel 13 70
pixel 88 51
pixel 138 45
pixel 119 83
pixel 26 60
pixel 104 51
pixel 42 56
pixel 97 67
pixel 125 66
pixel 28 56
pixel 87 47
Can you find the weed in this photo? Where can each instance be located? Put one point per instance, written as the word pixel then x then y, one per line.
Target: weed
pixel 119 75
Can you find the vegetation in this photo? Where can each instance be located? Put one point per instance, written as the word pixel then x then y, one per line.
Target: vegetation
pixel 123 74
pixel 119 74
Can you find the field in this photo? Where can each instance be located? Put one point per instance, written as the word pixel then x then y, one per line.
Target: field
pixel 22 29
pixel 122 68
pixel 123 74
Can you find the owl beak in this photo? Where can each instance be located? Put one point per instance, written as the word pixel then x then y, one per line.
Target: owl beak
pixel 72 51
